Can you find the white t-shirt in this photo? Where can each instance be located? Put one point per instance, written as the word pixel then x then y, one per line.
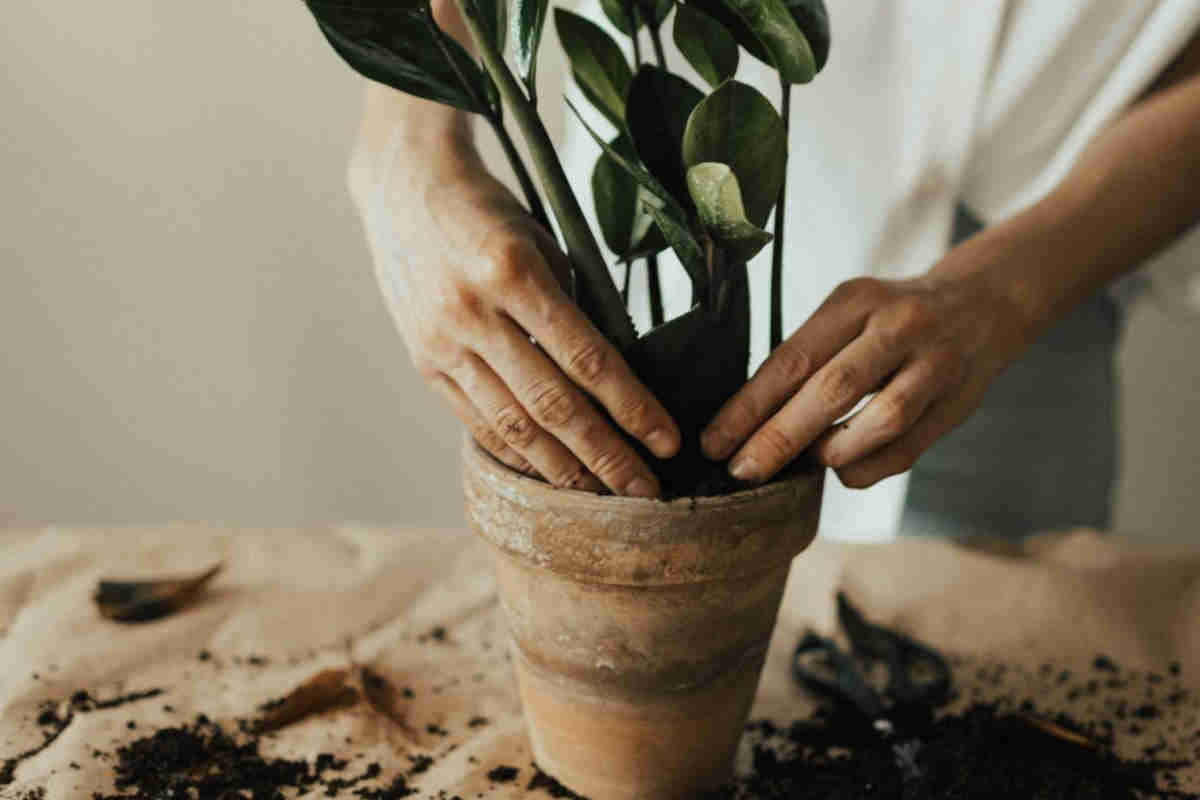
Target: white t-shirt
pixel 924 102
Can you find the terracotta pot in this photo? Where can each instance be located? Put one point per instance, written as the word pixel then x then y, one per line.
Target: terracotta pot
pixel 639 626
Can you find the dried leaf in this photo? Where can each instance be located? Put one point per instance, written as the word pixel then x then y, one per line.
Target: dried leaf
pixel 142 601
pixel 1060 732
pixel 324 691
pixel 383 697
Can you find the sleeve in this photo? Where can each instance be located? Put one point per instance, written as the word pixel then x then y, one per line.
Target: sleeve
pixel 1061 74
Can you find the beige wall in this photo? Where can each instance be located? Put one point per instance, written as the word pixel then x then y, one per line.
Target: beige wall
pixel 189 324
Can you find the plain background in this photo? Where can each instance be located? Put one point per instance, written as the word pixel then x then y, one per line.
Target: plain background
pixel 190 326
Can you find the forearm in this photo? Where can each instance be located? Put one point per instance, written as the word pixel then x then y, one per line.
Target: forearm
pixel 1132 191
pixel 394 122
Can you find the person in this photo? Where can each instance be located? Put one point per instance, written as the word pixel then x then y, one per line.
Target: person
pixel 985 368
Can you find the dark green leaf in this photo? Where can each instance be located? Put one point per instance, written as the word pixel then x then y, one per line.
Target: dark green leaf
pixel 627 226
pixel 528 19
pixel 768 31
pixel 597 62
pixel 707 44
pixel 736 125
pixel 693 364
pixel 670 217
pixel 656 10
pixel 813 19
pixel 714 189
pixel 656 114
pixel 399 45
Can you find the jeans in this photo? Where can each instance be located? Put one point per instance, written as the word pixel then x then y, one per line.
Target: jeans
pixel 1041 452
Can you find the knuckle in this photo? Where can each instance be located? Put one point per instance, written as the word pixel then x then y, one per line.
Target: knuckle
pixel 633 414
pixel 570 478
pixel 507 264
pixel 612 465
pixel 515 428
pixel 489 439
pixel 458 305
pixel 857 290
pixel 896 412
pixel 588 362
pixel 949 365
pixel 904 322
pixel 839 387
pixel 740 415
pixel 791 364
pixel 914 315
pixel 776 444
pixel 552 404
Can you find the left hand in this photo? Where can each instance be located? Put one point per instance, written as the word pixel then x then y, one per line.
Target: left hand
pixel 928 346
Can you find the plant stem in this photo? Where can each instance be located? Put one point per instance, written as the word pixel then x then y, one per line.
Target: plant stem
pixel 495 118
pixel 660 55
pixel 536 209
pixel 610 315
pixel 656 298
pixel 631 14
pixel 625 284
pixel 777 248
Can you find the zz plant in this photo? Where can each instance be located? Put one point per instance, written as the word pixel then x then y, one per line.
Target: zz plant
pixel 696 172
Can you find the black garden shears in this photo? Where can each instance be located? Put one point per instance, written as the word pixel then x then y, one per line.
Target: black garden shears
pixel 917 677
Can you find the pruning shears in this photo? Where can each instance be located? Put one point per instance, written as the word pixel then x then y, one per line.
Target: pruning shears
pixel 917 676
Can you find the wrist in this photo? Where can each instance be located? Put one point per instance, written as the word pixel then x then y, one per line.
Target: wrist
pixel 1013 271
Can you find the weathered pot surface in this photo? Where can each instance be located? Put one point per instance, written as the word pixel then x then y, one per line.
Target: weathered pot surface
pixel 639 626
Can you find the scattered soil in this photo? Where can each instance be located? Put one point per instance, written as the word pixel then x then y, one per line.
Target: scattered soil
pixel 981 752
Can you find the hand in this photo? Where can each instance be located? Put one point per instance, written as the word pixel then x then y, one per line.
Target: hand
pixel 469 277
pixel 928 346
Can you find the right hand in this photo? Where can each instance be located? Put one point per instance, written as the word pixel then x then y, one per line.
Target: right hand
pixel 469 277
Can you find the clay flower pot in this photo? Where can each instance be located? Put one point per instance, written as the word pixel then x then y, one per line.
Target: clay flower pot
pixel 640 626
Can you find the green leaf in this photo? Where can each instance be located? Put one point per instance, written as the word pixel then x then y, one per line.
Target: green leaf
pixel 707 44
pixel 597 62
pixel 656 114
pixel 655 10
pixel 768 31
pixel 627 226
pixel 670 217
pixel 528 20
pixel 813 19
pixel 399 44
pixel 736 125
pixel 693 364
pixel 718 199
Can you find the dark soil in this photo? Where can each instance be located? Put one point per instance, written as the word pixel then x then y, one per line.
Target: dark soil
pixel 981 752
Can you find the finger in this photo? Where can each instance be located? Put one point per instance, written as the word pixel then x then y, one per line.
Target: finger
pixel 899 456
pixel 834 325
pixel 559 408
pixel 832 392
pixel 517 429
pixel 892 412
pixel 593 363
pixel 483 433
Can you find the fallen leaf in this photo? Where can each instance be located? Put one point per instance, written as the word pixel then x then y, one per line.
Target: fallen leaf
pixel 324 691
pixel 142 601
pixel 1060 732
pixel 383 697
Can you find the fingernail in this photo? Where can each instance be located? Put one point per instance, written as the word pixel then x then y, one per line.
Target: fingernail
pixel 744 468
pixel 641 487
pixel 715 443
pixel 662 442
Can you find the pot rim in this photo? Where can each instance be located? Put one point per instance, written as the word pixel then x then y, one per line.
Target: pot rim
pixel 610 502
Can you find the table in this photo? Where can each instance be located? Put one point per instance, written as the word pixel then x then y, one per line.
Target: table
pixel 291 602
